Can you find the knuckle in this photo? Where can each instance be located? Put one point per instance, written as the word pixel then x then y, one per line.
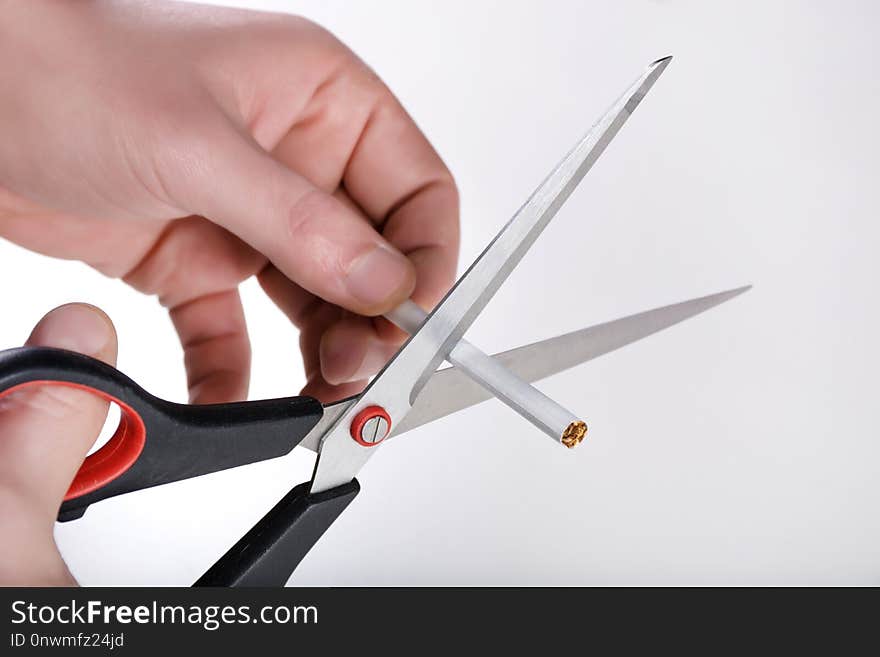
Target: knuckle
pixel 310 206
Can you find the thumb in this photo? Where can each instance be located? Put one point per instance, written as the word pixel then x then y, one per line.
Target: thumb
pixel 45 432
pixel 312 237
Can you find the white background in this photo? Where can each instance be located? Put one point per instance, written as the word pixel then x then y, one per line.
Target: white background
pixel 739 448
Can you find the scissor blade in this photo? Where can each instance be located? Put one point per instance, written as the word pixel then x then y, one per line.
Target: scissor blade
pixel 464 302
pixel 450 390
pixel 397 386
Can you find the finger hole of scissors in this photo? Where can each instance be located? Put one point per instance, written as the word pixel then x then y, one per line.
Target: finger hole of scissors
pixel 110 457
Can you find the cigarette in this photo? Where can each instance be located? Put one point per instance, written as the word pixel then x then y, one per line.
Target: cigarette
pixel 532 404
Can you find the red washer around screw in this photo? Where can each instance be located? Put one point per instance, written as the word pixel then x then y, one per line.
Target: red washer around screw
pixel 371 426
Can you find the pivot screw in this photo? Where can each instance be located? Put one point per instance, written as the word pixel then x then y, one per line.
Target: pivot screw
pixel 371 426
pixel 374 430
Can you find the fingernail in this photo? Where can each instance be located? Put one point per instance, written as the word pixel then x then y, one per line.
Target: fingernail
pixel 374 360
pixel 343 364
pixel 339 362
pixel 378 275
pixel 76 327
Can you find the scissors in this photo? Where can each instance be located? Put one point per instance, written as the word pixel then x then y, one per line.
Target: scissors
pixel 159 442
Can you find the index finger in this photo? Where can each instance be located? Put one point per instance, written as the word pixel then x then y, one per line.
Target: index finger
pixel 397 178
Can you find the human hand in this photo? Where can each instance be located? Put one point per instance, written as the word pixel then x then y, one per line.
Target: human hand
pixel 47 431
pixel 184 149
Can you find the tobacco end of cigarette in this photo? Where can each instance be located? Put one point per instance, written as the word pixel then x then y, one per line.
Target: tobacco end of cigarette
pixel 574 433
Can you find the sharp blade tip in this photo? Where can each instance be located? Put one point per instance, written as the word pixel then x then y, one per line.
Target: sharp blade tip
pixel 662 62
pixel 727 295
pixel 740 290
pixel 655 70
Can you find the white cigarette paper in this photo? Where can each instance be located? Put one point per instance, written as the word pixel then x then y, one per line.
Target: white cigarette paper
pixel 532 404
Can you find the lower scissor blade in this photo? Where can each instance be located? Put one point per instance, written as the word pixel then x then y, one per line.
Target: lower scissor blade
pixel 450 390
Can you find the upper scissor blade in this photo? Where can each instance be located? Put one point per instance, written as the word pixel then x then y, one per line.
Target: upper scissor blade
pixel 396 387
pixel 467 298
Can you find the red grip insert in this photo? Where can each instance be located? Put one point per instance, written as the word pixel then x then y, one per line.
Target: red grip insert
pixel 115 457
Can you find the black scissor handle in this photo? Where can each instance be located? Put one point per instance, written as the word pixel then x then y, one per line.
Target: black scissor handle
pixel 157 441
pixel 269 553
